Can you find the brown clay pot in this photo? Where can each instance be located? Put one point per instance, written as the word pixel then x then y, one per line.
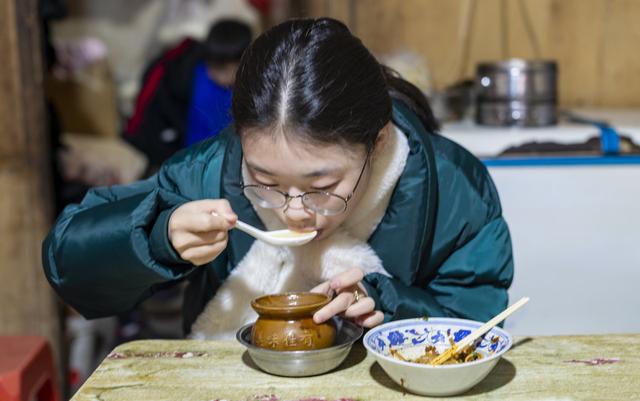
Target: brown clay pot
pixel 285 322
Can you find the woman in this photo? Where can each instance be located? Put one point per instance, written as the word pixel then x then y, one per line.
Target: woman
pixel 409 224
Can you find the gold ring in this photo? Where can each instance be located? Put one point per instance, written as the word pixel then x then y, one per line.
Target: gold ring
pixel 356 296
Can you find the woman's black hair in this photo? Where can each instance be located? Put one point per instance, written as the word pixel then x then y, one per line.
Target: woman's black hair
pixel 226 41
pixel 312 77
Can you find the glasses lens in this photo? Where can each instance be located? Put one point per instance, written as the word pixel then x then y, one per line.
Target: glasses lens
pixel 324 203
pixel 265 197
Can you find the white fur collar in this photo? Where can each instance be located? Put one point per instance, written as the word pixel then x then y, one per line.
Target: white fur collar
pixel 267 269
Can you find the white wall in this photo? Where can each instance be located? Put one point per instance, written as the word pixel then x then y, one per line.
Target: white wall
pixel 576 241
pixel 575 231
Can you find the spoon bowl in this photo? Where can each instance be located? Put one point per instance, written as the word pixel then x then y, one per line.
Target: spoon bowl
pixel 278 237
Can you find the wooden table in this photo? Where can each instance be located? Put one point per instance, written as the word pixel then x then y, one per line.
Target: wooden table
pixel 537 368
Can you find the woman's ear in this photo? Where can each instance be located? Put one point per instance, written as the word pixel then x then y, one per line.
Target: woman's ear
pixel 382 139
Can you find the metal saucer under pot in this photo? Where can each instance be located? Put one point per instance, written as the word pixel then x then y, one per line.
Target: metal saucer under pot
pixel 303 363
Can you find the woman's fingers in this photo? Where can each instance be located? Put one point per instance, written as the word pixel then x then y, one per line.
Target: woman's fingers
pixel 362 312
pixel 324 288
pixel 352 300
pixel 338 305
pixel 203 215
pixel 198 230
pixel 348 278
pixel 220 207
pixel 199 222
pixel 183 240
pixel 370 320
pixel 365 306
pixel 203 254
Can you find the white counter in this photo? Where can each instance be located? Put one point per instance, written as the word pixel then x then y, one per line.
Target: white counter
pixel 489 141
pixel 575 230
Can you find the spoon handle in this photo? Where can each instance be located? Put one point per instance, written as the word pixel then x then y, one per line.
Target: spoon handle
pixel 252 231
pixel 244 227
pixel 471 338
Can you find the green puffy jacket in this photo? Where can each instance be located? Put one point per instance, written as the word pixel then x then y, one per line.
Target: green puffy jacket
pixel 443 238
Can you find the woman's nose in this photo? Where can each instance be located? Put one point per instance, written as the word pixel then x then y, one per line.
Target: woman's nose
pixel 295 209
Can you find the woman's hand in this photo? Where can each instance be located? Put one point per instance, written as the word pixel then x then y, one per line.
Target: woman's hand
pixel 198 229
pixel 351 300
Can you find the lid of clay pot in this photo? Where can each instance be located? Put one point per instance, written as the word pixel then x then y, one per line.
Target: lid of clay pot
pixel 288 303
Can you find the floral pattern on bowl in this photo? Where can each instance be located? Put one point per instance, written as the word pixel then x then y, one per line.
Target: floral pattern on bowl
pixel 436 332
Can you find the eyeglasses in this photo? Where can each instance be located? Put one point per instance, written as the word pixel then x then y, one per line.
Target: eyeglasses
pixel 321 202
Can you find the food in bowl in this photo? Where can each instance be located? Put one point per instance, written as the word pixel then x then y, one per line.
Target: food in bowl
pixel 411 337
pixel 469 354
pixel 285 322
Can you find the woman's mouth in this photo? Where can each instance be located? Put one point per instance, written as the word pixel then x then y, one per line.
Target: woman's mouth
pixel 308 229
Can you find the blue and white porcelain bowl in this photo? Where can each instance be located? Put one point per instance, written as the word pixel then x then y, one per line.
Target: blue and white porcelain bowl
pixel 412 335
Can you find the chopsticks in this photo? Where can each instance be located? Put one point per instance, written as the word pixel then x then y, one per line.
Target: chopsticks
pixel 471 338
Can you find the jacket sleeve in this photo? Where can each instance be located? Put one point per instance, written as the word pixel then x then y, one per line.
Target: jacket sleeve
pixel 470 263
pixel 111 251
pixel 471 283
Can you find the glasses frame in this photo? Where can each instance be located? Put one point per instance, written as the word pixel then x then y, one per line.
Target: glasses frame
pixel 288 198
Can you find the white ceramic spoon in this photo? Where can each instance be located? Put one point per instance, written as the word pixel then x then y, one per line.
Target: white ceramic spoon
pixel 278 237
